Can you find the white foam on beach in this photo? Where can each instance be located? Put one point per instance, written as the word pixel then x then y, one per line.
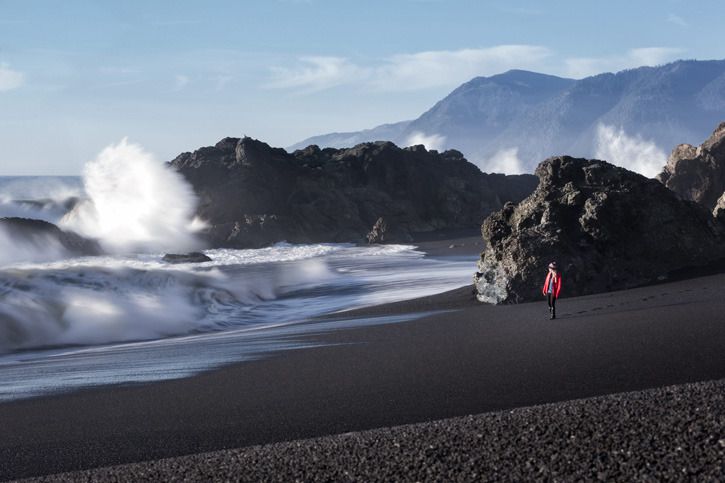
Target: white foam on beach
pixel 116 319
pixel 109 299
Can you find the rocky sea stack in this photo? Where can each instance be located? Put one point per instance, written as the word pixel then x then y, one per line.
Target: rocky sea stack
pixel 193 257
pixel 698 173
pixel 253 195
pixel 608 228
pixel 37 233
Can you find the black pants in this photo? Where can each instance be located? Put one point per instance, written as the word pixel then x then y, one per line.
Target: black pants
pixel 552 304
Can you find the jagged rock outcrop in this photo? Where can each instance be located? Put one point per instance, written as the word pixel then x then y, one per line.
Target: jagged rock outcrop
pixel 607 228
pixel 253 195
pixel 193 257
pixel 719 210
pixel 698 173
pixel 40 233
pixel 377 233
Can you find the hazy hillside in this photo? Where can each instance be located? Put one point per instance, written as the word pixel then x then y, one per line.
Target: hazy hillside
pixel 509 122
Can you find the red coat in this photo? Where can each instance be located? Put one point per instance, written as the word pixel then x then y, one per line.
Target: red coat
pixel 557 285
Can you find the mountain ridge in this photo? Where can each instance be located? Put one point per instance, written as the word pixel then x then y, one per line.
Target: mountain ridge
pixel 541 115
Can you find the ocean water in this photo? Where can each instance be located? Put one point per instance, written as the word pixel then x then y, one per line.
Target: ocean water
pixel 114 319
pixel 124 317
pixel 39 197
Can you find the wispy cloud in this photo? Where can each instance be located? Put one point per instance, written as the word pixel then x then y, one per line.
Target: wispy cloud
pixel 653 55
pixel 421 70
pixel 586 66
pixel 10 79
pixel 121 83
pixel 221 81
pixel 317 73
pixel 117 70
pixel 180 81
pixel 451 67
pixel 677 20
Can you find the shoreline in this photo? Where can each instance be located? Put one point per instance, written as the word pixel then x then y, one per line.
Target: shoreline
pixel 470 358
pixel 457 244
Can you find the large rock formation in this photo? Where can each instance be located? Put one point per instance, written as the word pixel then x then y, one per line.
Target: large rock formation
pixel 40 234
pixel 698 174
pixel 253 195
pixel 608 229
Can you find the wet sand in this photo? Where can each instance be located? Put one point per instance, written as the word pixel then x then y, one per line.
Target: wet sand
pixel 467 359
pixel 466 244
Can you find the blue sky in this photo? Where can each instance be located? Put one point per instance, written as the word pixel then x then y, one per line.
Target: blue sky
pixel 76 76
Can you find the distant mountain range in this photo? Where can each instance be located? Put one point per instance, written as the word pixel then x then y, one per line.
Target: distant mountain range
pixel 511 121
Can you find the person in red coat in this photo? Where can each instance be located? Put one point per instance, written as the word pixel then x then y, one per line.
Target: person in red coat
pixel 552 288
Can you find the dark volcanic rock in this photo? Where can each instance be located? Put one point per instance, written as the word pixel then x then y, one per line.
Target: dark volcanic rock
pixel 698 174
pixel 38 233
pixel 193 257
pixel 253 195
pixel 719 210
pixel 608 229
pixel 377 233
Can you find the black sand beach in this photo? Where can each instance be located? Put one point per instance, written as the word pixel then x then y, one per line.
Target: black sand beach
pixel 673 433
pixel 468 359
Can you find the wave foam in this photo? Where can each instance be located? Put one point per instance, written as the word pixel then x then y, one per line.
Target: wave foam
pixel 40 198
pixel 135 203
pixel 112 299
